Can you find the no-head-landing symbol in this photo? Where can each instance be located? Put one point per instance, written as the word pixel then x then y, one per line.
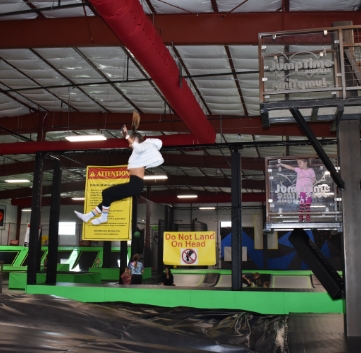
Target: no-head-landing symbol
pixel 189 256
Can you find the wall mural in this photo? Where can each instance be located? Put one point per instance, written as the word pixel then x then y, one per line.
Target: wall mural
pixel 285 257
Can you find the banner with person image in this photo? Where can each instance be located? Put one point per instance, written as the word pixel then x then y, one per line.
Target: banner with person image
pixel 301 189
pixel 118 226
pixel 189 248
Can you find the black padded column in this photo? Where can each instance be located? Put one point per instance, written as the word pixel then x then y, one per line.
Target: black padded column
pixel 35 218
pixel 54 225
pixel 236 220
pixel 107 254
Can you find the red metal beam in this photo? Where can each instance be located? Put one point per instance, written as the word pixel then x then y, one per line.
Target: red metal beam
pixel 57 121
pixel 170 160
pixel 185 29
pixel 172 180
pixel 158 197
pixel 210 197
pixel 47 190
pixel 130 24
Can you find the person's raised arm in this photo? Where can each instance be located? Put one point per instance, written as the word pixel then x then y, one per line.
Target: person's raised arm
pixel 286 166
pixel 136 146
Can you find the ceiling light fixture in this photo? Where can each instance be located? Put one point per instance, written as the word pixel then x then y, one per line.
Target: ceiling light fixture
pixel 78 198
pixel 17 181
pixel 84 138
pixel 187 196
pixel 207 208
pixel 26 210
pixel 155 177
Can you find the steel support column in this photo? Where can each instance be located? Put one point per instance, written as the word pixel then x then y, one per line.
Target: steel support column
pixel 18 224
pixel 317 146
pixel 35 218
pixel 134 248
pixel 123 259
pixel 54 225
pixel 236 221
pixel 146 252
pixel 350 163
pixel 167 227
pixel 107 254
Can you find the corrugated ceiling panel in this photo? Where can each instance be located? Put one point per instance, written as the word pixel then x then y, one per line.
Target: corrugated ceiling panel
pixel 113 63
pixel 195 153
pixel 272 151
pixel 15 5
pixel 245 57
pixel 267 138
pixel 181 6
pixel 173 170
pixel 71 12
pixel 224 152
pixel 209 60
pixel 249 152
pixel 213 172
pixel 302 151
pixel 249 6
pixel 329 5
pixel 192 171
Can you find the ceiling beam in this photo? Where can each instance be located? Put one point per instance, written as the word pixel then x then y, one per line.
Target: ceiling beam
pixel 172 180
pixel 158 197
pixel 73 121
pixel 170 160
pixel 184 29
pixel 210 197
pixel 214 6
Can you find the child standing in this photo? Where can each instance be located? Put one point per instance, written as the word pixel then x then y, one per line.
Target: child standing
pixel 306 177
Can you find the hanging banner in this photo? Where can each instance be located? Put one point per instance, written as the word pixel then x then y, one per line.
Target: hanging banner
pixel 119 220
pixel 189 248
pixel 301 189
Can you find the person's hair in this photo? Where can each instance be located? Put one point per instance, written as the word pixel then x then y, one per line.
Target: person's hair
pixel 265 284
pixel 307 161
pixel 256 274
pixel 135 260
pixel 169 271
pixel 137 135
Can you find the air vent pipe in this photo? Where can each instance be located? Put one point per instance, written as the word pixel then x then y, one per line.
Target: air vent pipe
pixel 130 24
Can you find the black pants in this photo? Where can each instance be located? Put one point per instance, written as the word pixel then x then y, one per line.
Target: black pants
pixel 136 279
pixel 122 191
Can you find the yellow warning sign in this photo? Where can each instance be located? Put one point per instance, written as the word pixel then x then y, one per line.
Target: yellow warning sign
pixel 119 220
pixel 189 248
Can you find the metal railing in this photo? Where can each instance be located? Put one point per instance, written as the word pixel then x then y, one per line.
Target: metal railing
pixel 318 67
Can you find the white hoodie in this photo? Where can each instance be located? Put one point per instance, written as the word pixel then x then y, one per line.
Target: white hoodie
pixel 146 154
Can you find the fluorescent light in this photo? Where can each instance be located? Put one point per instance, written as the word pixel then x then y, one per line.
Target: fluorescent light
pixel 17 181
pixel 155 177
pixel 318 206
pixel 78 198
pixel 187 196
pixel 226 224
pixel 83 138
pixel 26 210
pixel 207 208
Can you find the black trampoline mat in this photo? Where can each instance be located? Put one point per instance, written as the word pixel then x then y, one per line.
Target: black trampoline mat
pixel 63 325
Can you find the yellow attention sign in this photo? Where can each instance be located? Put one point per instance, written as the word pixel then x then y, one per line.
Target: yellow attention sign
pixel 120 212
pixel 189 248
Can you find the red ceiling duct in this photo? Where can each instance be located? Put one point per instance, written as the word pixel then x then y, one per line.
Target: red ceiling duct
pixel 129 23
pixel 49 146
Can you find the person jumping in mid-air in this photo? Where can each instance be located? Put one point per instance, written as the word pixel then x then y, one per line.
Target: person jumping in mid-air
pixel 306 177
pixel 145 155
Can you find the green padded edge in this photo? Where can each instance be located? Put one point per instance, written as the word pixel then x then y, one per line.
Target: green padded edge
pixel 264 302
